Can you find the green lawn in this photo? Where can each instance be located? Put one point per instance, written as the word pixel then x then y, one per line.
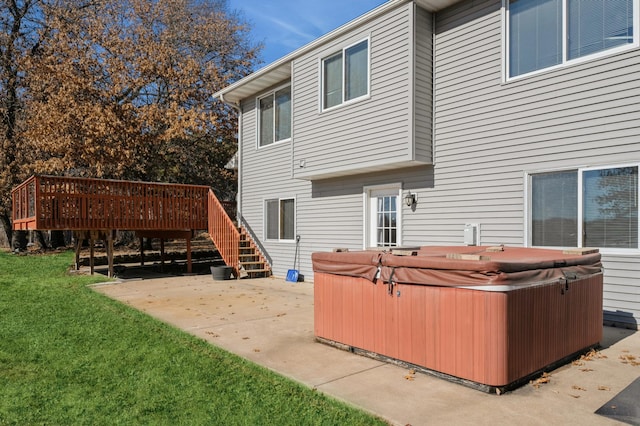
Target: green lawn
pixel 69 355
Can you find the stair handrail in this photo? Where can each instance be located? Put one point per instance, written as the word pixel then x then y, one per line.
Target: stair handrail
pixel 224 233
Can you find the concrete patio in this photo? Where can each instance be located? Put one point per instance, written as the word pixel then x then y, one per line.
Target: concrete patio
pixel 270 322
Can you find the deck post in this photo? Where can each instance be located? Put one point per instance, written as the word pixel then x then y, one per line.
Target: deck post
pixel 77 246
pixel 91 254
pixel 110 252
pixel 141 251
pixel 189 268
pixel 162 255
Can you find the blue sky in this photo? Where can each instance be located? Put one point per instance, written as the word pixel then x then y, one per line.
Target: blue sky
pixel 285 25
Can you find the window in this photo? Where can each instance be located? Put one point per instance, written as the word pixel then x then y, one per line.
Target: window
pixel 345 75
pixel 554 209
pixel 275 117
pixel 387 221
pixel 280 219
pixel 541 36
pixel 586 208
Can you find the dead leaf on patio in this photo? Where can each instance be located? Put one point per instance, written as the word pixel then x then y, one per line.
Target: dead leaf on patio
pixel 545 378
pixel 629 359
pixel 212 334
pixel 576 387
pixel 411 375
pixel 282 314
pixel 586 370
pixel 604 388
pixel 256 350
pixel 574 396
pixel 245 338
pixel 591 355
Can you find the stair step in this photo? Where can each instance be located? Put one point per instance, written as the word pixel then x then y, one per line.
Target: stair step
pixel 251 266
pixel 252 263
pixel 255 271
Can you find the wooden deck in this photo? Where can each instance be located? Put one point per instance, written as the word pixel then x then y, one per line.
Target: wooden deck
pixel 80 204
pixel 95 208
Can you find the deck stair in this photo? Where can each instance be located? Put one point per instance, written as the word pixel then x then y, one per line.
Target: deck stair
pixel 252 262
pixel 235 245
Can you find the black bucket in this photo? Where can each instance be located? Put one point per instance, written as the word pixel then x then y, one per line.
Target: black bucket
pixel 220 273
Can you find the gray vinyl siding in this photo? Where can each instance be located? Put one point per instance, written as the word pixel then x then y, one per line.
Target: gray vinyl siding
pixel 329 213
pixel 423 97
pixel 333 216
pixel 370 134
pixel 489 134
pixel 266 174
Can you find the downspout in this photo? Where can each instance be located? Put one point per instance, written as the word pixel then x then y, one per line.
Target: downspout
pixel 236 106
pixel 433 90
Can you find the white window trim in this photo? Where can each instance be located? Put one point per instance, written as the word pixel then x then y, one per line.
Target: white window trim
pixel 565 63
pixel 265 222
pixel 350 101
pixel 580 170
pixel 366 218
pixel 258 120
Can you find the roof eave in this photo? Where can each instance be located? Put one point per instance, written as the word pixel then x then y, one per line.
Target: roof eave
pixel 280 70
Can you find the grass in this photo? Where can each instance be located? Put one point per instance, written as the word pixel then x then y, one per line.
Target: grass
pixel 69 355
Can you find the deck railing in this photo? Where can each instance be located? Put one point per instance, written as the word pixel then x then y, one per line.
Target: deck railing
pixel 23 209
pixel 48 202
pixel 224 233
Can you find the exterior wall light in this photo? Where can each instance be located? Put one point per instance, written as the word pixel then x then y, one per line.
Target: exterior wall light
pixel 410 199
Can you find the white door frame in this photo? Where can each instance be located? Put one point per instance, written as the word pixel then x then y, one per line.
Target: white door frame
pixel 370 194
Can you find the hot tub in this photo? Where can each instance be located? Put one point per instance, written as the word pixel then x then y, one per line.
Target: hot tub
pixel 487 317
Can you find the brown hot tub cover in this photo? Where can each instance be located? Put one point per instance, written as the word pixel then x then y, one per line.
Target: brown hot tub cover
pixel 514 266
pixel 363 264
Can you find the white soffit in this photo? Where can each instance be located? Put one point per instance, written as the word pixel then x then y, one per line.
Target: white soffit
pixel 435 5
pixel 280 70
pixel 256 82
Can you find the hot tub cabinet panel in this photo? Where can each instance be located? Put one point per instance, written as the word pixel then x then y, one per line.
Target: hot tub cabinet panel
pixel 494 335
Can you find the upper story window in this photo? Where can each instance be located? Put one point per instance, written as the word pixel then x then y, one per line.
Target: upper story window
pixel 595 207
pixel 545 33
pixel 345 75
pixel 274 112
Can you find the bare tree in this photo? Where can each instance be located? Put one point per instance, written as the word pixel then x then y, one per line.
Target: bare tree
pixel 119 89
pixel 19 24
pixel 123 88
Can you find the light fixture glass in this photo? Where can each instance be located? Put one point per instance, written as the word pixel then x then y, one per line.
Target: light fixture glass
pixel 410 199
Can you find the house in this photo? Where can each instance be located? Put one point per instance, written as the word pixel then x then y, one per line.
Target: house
pixel 447 122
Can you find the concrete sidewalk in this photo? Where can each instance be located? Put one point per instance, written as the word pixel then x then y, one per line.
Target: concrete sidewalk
pixel 270 322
